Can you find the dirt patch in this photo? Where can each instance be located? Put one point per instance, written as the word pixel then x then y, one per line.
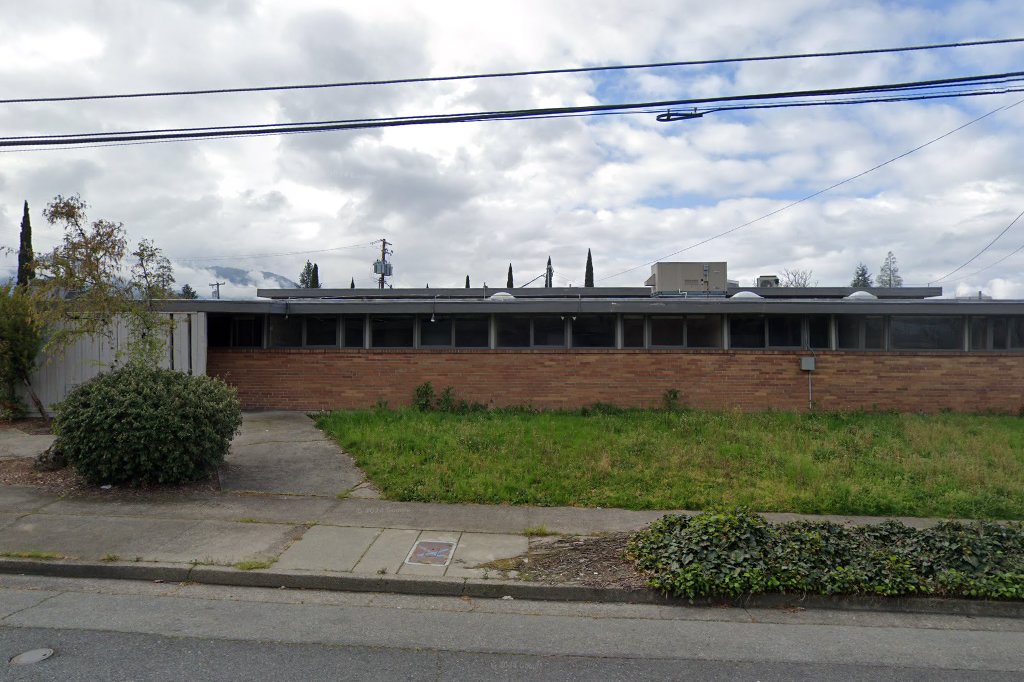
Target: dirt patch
pixel 65 482
pixel 588 561
pixel 35 426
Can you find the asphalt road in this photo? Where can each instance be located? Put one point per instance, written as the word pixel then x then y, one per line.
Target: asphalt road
pixel 115 630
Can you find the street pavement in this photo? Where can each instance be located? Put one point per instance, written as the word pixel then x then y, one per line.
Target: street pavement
pixel 103 629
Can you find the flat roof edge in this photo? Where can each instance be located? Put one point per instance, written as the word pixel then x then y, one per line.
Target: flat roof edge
pixel 451 292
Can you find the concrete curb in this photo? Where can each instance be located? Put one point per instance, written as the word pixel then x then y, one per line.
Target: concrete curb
pixel 493 589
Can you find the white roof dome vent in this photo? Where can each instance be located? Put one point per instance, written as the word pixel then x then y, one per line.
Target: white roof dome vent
pixel 746 294
pixel 861 296
pixel 501 296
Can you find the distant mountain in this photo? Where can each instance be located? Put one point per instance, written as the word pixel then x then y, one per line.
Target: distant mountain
pixel 243 278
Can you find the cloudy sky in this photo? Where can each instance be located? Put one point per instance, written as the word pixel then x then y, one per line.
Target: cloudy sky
pixel 470 198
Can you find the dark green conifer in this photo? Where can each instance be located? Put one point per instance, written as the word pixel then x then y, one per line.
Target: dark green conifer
pixel 25 254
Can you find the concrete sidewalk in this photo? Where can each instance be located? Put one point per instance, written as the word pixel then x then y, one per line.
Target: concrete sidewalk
pixel 298 533
pixel 352 545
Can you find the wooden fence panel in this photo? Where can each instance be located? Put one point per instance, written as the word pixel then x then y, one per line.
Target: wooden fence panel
pixel 55 376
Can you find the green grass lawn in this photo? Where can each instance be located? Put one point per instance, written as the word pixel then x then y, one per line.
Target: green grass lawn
pixel 947 465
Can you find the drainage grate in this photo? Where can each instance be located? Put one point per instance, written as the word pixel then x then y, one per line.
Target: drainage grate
pixel 431 553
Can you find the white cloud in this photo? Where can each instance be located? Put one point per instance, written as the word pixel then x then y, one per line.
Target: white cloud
pixel 467 199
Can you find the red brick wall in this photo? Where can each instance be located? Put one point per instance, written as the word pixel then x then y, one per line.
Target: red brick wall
pixel 748 380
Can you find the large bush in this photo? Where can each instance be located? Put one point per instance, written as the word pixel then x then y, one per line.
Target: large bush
pixel 736 553
pixel 139 426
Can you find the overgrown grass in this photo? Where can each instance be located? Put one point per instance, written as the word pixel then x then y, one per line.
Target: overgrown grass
pixel 538 532
pixel 947 465
pixel 32 554
pixel 254 565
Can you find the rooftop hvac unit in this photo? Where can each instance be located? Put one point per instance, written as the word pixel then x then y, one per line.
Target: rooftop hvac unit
pixel 382 268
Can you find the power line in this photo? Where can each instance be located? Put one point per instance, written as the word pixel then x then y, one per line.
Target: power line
pixel 819 192
pixel 1012 76
pixel 972 258
pixel 661 114
pixel 992 265
pixel 513 114
pixel 512 74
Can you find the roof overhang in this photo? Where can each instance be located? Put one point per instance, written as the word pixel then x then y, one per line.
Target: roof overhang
pixel 562 306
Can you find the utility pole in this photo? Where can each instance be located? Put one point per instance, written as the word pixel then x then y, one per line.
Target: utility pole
pixel 383 267
pixel 216 288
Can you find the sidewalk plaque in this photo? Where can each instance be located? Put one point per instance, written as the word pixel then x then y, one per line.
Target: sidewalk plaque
pixel 431 552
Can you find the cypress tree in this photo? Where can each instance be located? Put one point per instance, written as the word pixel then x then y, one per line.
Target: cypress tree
pixel 549 275
pixel 352 284
pixel 588 277
pixel 509 283
pixel 467 281
pixel 314 280
pixel 25 255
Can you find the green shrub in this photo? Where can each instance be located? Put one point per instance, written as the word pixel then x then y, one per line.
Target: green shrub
pixel 735 553
pixel 423 397
pixel 670 399
pixel 139 426
pixel 446 401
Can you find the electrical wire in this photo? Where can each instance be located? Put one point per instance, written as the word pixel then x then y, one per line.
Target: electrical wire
pixel 523 286
pixel 992 265
pixel 972 258
pixel 513 74
pixel 659 113
pixel 515 114
pixel 819 192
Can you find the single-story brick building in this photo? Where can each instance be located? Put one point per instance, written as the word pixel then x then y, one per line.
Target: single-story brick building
pixel 749 348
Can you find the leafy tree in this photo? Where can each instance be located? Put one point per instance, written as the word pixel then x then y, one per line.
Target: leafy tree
pixel 85 291
pixel 26 257
pixel 467 281
pixel 189 293
pixel 314 281
pixel 796 278
pixel 889 273
pixel 509 282
pixel 306 276
pixel 352 284
pixel 861 277
pixel 152 275
pixel 20 342
pixel 588 277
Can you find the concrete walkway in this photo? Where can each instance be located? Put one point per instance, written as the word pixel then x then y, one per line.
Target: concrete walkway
pixel 283 452
pixel 15 444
